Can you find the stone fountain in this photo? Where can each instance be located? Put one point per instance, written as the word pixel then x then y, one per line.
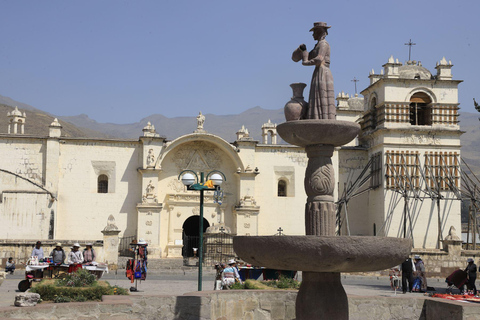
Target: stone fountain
pixel 320 254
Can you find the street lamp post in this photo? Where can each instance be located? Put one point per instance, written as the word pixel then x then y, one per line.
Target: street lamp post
pixel 190 179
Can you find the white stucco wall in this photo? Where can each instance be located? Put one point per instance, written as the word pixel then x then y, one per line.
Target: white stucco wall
pixel 83 212
pixel 274 163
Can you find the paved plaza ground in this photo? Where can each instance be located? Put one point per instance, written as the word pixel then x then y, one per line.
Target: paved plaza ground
pixel 179 282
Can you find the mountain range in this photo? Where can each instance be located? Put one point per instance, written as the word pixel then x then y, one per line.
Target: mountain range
pixel 224 126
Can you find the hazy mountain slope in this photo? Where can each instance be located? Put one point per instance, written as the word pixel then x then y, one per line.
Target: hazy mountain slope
pixel 224 126
pixel 37 121
pixel 471 140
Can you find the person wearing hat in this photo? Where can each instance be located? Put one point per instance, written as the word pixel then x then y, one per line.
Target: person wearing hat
pixel 89 255
pixel 471 271
pixel 75 256
pixel 420 273
pixel 230 274
pixel 38 251
pixel 58 254
pixel 321 99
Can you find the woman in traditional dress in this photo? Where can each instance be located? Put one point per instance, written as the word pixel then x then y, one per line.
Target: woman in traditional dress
pixel 321 101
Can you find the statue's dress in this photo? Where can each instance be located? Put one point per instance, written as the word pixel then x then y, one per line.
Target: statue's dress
pixel 321 101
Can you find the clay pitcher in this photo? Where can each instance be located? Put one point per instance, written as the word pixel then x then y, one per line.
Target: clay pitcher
pixel 296 107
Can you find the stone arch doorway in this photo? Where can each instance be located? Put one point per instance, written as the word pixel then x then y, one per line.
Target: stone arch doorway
pixel 191 237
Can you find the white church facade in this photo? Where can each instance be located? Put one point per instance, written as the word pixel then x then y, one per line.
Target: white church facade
pixel 62 188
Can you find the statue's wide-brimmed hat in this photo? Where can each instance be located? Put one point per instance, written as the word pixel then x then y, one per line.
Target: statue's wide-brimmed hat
pixel 317 25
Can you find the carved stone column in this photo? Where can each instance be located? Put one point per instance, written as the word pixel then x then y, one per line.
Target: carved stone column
pixel 319 186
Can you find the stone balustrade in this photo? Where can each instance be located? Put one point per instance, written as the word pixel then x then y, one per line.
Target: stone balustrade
pixel 241 304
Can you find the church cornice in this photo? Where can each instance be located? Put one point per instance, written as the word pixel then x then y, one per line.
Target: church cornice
pixel 418 82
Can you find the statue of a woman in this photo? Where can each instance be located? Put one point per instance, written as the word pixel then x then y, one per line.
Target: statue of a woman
pixel 321 101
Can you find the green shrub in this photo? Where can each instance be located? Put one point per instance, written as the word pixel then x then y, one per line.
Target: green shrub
pixel 256 285
pixel 116 290
pixel 54 293
pixel 287 283
pixel 80 278
pixel 282 283
pixel 80 298
pixel 237 286
pixel 61 299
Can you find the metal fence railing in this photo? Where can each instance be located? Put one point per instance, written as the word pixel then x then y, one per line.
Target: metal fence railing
pixel 124 249
pixel 217 247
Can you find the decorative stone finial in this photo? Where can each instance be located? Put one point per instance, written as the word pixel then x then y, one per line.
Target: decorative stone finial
pixel 149 130
pixel 111 224
pixel 452 234
pixel 55 129
pixel 444 69
pixel 55 123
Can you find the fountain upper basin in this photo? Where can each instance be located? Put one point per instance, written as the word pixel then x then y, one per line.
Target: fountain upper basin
pixel 318 131
pixel 323 253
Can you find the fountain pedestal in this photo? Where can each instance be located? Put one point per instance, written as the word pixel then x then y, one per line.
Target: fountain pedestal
pixel 320 254
pixel 323 290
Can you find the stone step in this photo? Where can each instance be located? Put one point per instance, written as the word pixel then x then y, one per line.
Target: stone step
pixel 169 264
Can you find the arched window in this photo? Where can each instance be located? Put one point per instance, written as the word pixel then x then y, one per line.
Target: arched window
pixel 420 109
pixel 282 188
pixel 102 184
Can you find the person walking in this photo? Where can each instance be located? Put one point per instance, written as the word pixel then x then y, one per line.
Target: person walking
pixel 230 274
pixel 420 273
pixel 407 267
pixel 471 271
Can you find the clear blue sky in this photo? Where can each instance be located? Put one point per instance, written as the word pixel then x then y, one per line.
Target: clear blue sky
pixel 121 61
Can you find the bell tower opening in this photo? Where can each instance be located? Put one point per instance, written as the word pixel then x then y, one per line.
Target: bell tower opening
pixel 420 109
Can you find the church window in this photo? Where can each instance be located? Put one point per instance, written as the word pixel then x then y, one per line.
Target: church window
pixel 102 185
pixel 376 170
pixel 442 170
pixel 402 170
pixel 420 109
pixel 282 188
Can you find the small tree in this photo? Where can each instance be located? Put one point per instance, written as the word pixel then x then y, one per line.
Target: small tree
pixel 477 107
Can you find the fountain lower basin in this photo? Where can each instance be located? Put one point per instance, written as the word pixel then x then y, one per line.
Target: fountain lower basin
pixel 323 253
